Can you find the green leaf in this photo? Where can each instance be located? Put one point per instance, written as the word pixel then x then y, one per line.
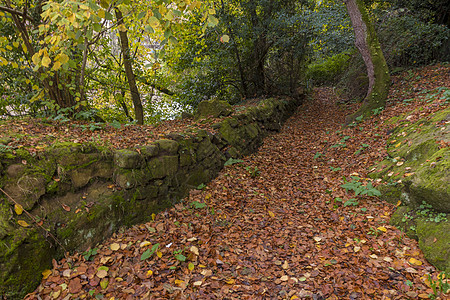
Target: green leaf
pixel 232 161
pixel 198 205
pixel 149 252
pixel 141 14
pixel 212 21
pixel 149 29
pixel 180 257
pixel 153 21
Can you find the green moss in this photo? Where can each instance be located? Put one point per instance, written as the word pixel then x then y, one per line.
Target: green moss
pixel 434 241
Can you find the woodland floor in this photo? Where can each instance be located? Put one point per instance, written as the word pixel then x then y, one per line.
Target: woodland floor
pixel 276 233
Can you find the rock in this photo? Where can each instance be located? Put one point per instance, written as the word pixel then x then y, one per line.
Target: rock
pixel 186 115
pixel 434 241
pixel 149 150
pixel 213 108
pixel 163 166
pixel 432 184
pixel 168 146
pixel 127 159
pixel 27 189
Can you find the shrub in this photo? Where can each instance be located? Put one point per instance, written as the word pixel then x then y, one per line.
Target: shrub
pixel 326 72
pixel 407 41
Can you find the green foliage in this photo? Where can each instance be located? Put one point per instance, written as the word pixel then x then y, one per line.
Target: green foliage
pixel 89 254
pixel 327 72
pixel 198 205
pixel 232 161
pixel 408 41
pixel 149 252
pixel 359 188
pixel 253 171
pixel 201 186
pixel 440 286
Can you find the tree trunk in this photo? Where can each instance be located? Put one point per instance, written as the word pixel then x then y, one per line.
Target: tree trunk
pixel 377 71
pixel 124 46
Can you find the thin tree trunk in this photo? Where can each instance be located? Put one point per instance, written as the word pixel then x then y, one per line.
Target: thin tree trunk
pixel 377 71
pixel 124 46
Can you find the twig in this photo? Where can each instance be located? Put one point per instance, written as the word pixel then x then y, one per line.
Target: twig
pixel 48 233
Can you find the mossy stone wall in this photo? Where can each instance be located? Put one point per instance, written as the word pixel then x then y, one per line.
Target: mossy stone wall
pixel 82 193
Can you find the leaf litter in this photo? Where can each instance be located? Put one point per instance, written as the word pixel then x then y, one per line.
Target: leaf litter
pixel 278 235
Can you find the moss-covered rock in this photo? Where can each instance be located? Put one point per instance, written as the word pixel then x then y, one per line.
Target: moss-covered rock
pixel 163 166
pixel 26 189
pixel 434 240
pixel 24 253
pixel 169 147
pixel 127 159
pixel 213 108
pixel 418 174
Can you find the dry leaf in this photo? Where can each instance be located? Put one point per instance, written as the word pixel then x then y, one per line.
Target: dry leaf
pixel 194 250
pixel 114 247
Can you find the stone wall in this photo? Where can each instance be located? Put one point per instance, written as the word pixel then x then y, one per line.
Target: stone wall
pixel 82 193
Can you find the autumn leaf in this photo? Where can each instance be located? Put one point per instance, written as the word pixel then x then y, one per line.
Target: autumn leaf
pixel 46 273
pixel 414 261
pixel 114 247
pixel 23 223
pixel 18 209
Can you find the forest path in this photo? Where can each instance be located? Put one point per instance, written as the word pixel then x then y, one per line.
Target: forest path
pixel 266 228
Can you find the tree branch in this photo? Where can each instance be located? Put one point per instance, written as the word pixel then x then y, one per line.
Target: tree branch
pixel 16 12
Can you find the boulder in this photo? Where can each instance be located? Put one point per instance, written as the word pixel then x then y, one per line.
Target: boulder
pixel 213 108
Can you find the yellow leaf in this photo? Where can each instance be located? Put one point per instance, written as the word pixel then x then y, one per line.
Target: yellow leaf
pixel 56 66
pixel 46 273
pixel 149 273
pixel 23 223
pixel 63 58
pixel 8 47
pixel 153 217
pixel 294 297
pixel 398 145
pixel 271 214
pixel 27 81
pixel 398 203
pixel 36 58
pixel 101 14
pixel 191 266
pixel 207 196
pixel 231 281
pixel 46 61
pixel 122 27
pixel 14 65
pixel 159 254
pixel 145 243
pixel 16 44
pixel 18 209
pixel 179 282
pixel 414 261
pixel 382 228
